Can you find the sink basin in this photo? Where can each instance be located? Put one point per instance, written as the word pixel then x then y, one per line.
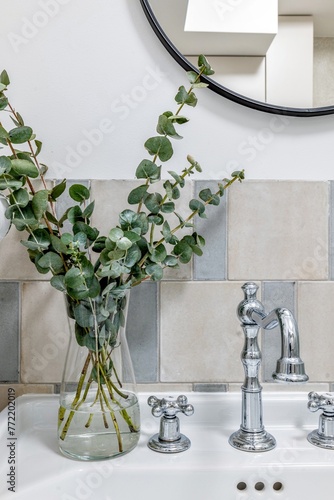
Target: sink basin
pixel 210 469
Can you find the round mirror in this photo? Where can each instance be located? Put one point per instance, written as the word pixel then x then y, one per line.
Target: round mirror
pixel 271 55
pixel 4 222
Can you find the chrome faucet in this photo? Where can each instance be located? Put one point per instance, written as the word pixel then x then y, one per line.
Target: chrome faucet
pixel 252 435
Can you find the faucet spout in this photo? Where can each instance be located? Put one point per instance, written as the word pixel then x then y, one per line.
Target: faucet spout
pixel 290 368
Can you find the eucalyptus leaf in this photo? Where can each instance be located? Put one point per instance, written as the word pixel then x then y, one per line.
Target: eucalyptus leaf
pixel 40 203
pixel 160 147
pixel 79 193
pixel 4 78
pixel 51 261
pixel 25 167
pixel 152 202
pixel 166 127
pixel 3 102
pixel 58 282
pixel 19 135
pixel 58 190
pixel 154 271
pixel 5 164
pixel 148 170
pixel 137 194
pixel 20 198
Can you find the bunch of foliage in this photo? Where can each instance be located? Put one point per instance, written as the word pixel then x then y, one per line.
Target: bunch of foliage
pixel 129 254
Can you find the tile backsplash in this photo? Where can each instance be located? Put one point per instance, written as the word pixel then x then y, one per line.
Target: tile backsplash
pixel 183 332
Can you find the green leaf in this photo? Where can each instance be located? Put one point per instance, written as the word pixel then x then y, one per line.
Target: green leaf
pixel 133 235
pixel 204 65
pixel 178 119
pixel 79 193
pixel 133 255
pixel 194 163
pixel 25 167
pixel 7 182
pixel 51 261
pixel 177 178
pixel 4 78
pixel 182 97
pixel 20 198
pixel 115 234
pixel 183 251
pixel 152 202
pixel 40 203
pixel 3 133
pixel 158 254
pixel 148 170
pixel 58 190
pixel 19 135
pixel 192 76
pixel 74 278
pixel 3 102
pixel 154 271
pixel 205 194
pixel 38 240
pixel 58 282
pixel 159 146
pixel 23 217
pixel 38 145
pixel 87 213
pixel 197 206
pixel 171 261
pixel 137 194
pixel 166 127
pixel 156 219
pixel 168 207
pixel 127 218
pixel 91 232
pixel 124 243
pixel 83 316
pixel 74 214
pixel 58 245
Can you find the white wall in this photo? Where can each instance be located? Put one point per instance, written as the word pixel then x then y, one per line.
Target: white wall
pixel 77 66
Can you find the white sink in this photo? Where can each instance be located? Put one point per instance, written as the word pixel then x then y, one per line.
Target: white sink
pixel 211 469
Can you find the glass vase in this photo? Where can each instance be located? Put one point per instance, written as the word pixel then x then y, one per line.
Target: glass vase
pixel 99 415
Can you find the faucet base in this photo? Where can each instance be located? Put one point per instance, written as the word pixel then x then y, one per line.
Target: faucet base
pixel 252 441
pixel 322 441
pixel 178 445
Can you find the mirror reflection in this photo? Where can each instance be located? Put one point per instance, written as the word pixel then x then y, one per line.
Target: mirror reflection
pixel 276 52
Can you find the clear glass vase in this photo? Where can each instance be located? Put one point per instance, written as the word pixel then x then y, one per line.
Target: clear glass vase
pixel 99 415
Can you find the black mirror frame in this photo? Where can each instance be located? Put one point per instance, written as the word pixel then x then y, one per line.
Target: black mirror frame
pixel 224 91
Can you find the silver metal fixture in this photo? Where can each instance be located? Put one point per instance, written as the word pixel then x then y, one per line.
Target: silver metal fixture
pixel 169 439
pixel 324 435
pixel 252 435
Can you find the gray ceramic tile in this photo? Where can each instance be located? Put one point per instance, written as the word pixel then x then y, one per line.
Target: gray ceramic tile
pixel 331 230
pixel 212 264
pixel 201 338
pixel 278 230
pixel 9 331
pixel 274 294
pixel 210 387
pixel 142 331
